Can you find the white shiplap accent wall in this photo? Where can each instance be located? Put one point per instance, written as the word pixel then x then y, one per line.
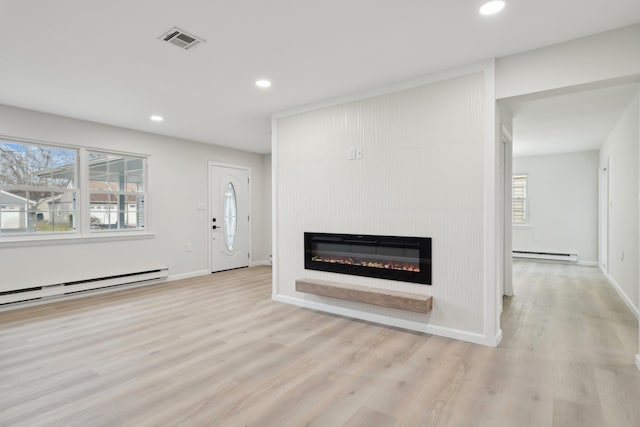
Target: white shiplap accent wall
pixel 422 175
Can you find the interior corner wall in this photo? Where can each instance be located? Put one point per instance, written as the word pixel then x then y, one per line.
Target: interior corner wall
pixel 563 204
pixel 422 175
pixel 178 182
pixel 621 151
pixel 599 57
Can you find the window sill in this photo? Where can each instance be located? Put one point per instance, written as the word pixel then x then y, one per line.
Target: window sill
pixel 522 226
pixel 51 240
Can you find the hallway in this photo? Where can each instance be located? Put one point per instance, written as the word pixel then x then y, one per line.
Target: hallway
pixel 578 340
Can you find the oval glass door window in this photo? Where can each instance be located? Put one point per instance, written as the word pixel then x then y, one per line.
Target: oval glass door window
pixel 230 207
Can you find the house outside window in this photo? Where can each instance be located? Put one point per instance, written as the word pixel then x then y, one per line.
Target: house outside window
pixel 520 201
pixel 34 197
pixel 116 191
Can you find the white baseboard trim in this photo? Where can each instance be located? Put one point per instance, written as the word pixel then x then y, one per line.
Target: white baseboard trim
pixel 257 263
pixel 638 360
pixel 589 263
pixel 173 277
pixel 624 296
pixel 393 321
pixel 498 339
pixel 603 270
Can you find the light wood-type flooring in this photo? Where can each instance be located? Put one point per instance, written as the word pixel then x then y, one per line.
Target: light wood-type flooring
pixel 216 351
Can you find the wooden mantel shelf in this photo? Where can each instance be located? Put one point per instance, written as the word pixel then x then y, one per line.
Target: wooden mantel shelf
pixel 382 297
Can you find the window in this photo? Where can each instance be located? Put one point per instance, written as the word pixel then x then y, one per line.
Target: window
pixel 116 191
pixel 520 200
pixel 56 190
pixel 38 188
pixel 230 222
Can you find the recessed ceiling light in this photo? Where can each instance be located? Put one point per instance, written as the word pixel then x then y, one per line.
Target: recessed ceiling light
pixel 156 118
pixel 491 7
pixel 263 83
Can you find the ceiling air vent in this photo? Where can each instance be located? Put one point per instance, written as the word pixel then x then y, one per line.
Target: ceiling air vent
pixel 181 38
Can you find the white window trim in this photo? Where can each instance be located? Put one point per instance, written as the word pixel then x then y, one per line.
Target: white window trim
pixel 72 238
pixel 523 226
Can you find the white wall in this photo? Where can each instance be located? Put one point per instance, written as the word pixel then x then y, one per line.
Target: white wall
pixel 424 173
pixel 599 57
pixel 177 183
pixel 621 150
pixel 563 204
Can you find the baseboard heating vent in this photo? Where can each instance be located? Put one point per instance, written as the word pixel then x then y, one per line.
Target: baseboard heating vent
pixel 549 256
pixel 80 286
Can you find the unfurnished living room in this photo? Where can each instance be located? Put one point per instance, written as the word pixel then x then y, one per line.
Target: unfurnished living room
pixel 336 213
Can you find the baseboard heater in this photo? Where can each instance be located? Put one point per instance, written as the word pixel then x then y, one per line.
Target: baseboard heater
pixel 550 256
pixel 81 286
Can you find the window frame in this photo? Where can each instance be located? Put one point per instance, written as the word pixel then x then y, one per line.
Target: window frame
pixel 82 217
pixel 525 199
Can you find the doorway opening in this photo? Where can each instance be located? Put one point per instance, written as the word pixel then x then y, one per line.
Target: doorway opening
pixel 562 199
pixel 575 151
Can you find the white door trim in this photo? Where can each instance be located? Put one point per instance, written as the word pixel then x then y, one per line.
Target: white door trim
pixel 507 146
pixel 210 165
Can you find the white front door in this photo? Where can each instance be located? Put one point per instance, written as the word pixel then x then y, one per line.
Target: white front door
pixel 229 217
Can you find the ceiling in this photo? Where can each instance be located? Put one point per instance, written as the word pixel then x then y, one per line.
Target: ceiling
pixel 579 121
pixel 102 61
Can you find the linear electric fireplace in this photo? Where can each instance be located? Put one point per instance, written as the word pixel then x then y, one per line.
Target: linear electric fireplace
pixel 407 259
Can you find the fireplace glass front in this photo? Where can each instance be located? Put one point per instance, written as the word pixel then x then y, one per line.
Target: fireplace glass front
pixel 406 259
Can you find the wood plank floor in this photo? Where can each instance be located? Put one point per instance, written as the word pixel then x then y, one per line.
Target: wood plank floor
pixel 216 351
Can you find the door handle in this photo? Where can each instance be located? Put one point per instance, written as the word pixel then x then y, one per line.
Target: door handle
pixel 213 227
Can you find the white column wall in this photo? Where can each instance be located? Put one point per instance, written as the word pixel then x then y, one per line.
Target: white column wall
pixel 428 166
